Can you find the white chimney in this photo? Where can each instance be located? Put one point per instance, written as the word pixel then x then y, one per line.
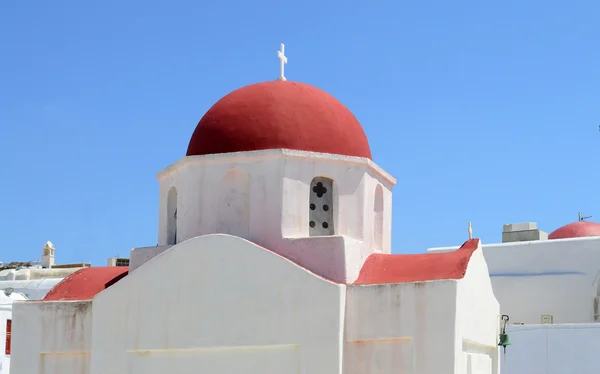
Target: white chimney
pixel 48 255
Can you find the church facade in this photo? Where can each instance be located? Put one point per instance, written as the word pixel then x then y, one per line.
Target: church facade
pixel 275 240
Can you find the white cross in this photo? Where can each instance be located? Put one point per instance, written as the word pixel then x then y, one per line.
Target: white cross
pixel 470 231
pixel 282 62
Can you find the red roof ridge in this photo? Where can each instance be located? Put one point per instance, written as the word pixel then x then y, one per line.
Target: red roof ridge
pixel 382 268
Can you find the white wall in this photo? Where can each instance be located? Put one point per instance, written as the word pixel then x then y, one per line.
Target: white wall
pixel 406 328
pixel 438 327
pixel 558 277
pixel 477 319
pixel 228 306
pixel 51 337
pixel 6 303
pixel 553 349
pixel 263 196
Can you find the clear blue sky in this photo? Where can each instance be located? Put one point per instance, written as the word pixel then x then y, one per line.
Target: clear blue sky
pixel 483 111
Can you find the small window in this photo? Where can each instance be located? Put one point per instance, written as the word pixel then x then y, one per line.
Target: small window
pixel 122 262
pixel 320 205
pixel 172 216
pixel 8 337
pixel 378 218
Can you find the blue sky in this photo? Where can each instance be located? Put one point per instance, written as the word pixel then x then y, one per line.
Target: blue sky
pixel 483 111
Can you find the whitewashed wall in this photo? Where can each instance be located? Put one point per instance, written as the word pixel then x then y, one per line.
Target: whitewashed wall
pixel 477 320
pixel 558 277
pixel 438 327
pixel 4 364
pixel 6 303
pixel 263 196
pixel 51 337
pixel 228 306
pixel 400 327
pixel 553 349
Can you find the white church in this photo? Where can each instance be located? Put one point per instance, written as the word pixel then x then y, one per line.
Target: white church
pixel 275 230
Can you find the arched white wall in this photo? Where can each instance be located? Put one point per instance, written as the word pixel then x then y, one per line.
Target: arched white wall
pixel 273 316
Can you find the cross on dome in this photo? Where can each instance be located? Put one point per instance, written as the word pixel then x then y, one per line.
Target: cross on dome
pixel 282 62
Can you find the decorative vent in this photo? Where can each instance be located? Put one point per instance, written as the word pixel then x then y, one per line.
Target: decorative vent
pixel 547 319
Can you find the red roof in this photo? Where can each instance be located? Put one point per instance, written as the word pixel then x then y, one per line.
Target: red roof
pixel 279 114
pixel 399 268
pixel 86 283
pixel 576 230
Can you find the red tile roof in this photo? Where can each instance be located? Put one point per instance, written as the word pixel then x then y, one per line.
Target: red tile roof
pixel 400 268
pixel 86 283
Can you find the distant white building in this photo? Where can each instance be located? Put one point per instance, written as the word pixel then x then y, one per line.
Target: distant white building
pixel 549 286
pixel 6 301
pixel 35 278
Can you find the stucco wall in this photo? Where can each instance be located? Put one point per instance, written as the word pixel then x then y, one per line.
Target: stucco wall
pixel 553 349
pixel 263 196
pixel 402 328
pixel 51 337
pixel 558 277
pixel 477 319
pixel 228 306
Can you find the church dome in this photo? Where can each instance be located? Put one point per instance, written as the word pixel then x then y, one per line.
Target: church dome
pixel 576 230
pixel 279 114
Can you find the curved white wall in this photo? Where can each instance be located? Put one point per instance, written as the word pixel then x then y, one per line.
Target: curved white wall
pixel 231 306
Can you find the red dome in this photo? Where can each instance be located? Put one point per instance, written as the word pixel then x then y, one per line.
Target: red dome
pixel 576 230
pixel 279 114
